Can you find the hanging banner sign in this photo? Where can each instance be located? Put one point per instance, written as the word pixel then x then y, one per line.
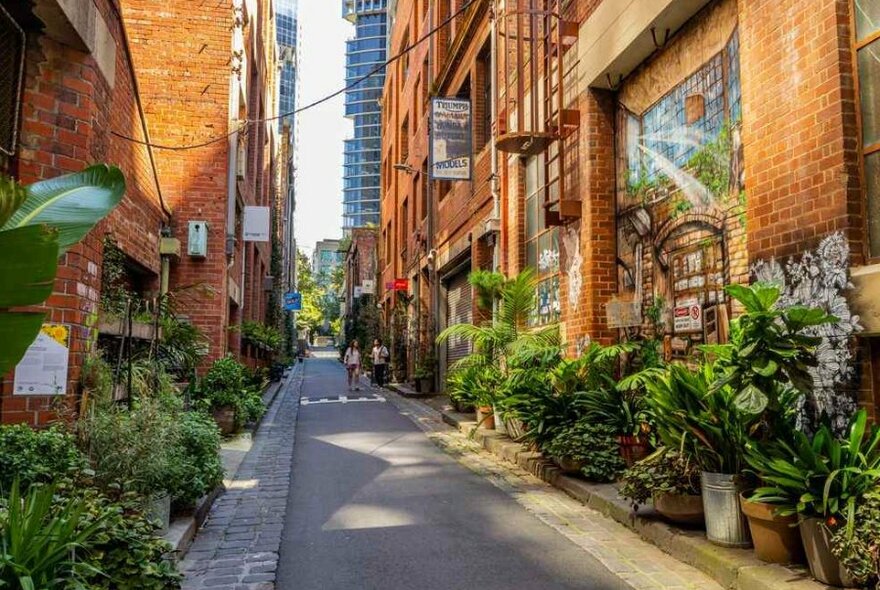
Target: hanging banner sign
pixel 256 224
pixel 451 139
pixel 43 369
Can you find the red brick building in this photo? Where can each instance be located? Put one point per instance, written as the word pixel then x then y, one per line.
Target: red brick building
pixel 648 153
pixel 94 81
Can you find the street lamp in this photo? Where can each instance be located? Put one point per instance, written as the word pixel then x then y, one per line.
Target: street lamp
pixel 404 167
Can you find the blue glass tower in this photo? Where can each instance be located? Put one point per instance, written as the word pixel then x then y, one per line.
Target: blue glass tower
pixel 365 52
pixel 287 31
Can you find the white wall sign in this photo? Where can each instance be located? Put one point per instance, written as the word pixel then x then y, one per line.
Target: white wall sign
pixel 451 139
pixel 256 224
pixel 368 287
pixel 43 369
pixel 688 315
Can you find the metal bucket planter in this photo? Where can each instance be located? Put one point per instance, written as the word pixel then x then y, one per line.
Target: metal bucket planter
pixel 777 538
pixel 726 525
pixel 500 424
pixel 824 565
pixel 159 512
pixel 684 509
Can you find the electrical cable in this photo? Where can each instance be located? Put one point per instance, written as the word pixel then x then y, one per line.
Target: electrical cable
pixel 243 124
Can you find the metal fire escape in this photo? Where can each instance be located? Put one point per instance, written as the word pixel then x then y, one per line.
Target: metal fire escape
pixel 532 41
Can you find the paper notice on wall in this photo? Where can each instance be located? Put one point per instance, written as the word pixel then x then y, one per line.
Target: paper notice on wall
pixel 688 315
pixel 43 369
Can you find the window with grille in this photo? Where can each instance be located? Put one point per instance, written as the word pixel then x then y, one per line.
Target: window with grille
pixel 867 46
pixel 11 71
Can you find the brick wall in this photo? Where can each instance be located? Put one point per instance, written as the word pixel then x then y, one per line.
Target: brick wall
pixel 69 108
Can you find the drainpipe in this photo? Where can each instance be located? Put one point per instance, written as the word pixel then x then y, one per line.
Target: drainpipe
pixel 493 76
pixel 232 142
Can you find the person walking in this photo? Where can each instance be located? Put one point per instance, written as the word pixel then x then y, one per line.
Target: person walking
pixel 352 361
pixel 380 362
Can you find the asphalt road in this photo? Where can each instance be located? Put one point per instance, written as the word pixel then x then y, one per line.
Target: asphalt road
pixel 375 505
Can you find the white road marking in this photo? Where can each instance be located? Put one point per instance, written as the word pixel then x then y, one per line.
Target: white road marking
pixel 342 399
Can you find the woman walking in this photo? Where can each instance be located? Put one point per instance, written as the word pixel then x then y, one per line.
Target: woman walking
pixel 352 361
pixel 380 360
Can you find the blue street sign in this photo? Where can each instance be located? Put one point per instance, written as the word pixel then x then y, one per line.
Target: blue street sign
pixel 292 302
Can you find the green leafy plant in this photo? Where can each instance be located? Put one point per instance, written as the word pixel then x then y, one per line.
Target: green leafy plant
pixel 663 472
pixel 196 468
pixel 859 551
pixel 227 385
pixel 594 445
pixel 820 476
pixel 37 456
pixel 37 225
pixel 768 353
pixel 40 540
pixel 181 347
pixel 507 334
pixel 689 414
pixel 488 286
pixel 261 335
pixel 131 450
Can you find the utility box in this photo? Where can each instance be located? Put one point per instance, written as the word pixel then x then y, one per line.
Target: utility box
pixel 197 244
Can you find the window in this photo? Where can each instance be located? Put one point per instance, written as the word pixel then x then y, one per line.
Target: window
pixel 404 63
pixel 404 229
pixel 542 244
pixel 867 20
pixel 11 71
pixel 424 188
pixel 404 140
pixel 484 124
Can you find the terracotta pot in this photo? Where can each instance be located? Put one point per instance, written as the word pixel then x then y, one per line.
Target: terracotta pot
pixel 777 539
pixel 680 508
pixel 824 565
pixel 485 418
pixel 633 449
pixel 225 419
pixel 567 465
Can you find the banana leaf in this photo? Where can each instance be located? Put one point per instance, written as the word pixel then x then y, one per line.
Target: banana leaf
pixel 72 203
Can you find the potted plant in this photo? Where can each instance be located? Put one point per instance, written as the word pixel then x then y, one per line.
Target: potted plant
pixel 495 341
pixel 229 396
pixel 588 449
pixel 858 547
pixel 424 376
pixel 704 423
pixel 823 480
pixel 671 481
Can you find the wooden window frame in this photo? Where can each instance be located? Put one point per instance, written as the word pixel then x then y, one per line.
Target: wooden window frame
pixel 864 151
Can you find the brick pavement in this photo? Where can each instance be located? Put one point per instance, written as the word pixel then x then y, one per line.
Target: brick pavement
pixel 238 547
pixel 639 564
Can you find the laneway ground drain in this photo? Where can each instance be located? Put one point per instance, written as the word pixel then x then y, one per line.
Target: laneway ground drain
pixel 641 565
pixel 341 399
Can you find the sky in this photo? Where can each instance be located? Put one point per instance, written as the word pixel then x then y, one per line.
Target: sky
pixel 322 129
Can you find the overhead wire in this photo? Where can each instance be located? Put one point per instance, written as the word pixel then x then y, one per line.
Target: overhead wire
pixel 242 125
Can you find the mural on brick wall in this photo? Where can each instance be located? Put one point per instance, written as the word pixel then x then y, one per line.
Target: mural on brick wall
pixel 819 279
pixel 680 209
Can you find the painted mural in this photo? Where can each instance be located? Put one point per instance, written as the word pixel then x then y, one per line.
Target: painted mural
pixel 680 209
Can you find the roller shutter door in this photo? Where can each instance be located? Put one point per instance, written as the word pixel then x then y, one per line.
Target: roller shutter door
pixel 458 311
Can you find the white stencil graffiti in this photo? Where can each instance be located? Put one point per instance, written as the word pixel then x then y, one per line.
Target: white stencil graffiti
pixel 819 279
pixel 571 240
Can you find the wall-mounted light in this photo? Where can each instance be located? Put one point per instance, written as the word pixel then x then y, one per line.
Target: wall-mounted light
pixel 401 167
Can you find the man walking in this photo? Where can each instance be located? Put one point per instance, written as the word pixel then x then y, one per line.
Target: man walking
pixel 380 362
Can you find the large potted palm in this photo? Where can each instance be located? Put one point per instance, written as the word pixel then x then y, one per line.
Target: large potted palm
pixel 505 335
pixel 38 224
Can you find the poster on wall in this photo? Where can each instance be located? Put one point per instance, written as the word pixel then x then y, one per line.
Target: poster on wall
pixel 256 224
pixel 43 369
pixel 451 139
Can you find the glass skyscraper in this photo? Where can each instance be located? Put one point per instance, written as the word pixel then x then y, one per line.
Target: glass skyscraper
pixel 287 27
pixel 365 52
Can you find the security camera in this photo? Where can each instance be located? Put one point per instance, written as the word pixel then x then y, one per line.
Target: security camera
pixel 432 255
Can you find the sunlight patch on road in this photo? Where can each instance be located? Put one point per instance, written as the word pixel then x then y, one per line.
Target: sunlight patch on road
pixel 368 516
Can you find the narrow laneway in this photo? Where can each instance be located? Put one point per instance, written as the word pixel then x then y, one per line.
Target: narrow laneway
pixel 374 504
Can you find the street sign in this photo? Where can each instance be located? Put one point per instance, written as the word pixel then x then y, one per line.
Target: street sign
pixel 389 286
pixel 292 302
pixel 401 284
